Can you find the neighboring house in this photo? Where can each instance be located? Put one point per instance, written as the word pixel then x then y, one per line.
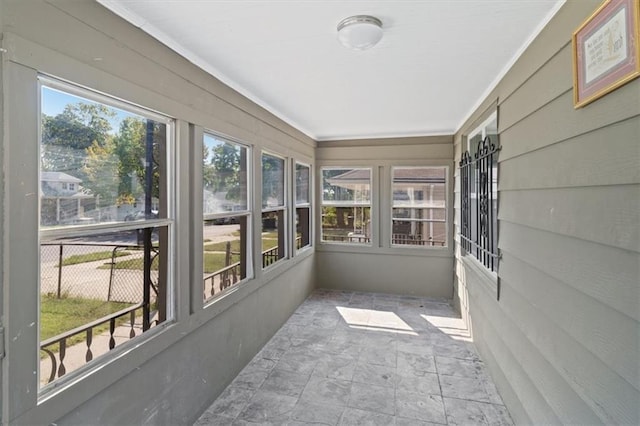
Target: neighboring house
pixel 62 200
pixel 59 184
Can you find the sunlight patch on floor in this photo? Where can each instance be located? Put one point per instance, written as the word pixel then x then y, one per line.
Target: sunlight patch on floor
pixel 369 319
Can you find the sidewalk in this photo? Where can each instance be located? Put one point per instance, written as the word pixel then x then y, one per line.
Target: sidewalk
pixel 86 280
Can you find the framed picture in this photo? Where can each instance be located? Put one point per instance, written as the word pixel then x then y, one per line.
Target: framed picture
pixel 606 52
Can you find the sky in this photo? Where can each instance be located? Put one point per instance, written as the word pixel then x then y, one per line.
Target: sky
pixel 54 102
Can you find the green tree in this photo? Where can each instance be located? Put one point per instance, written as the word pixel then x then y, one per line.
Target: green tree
pixel 129 147
pixel 100 167
pixel 66 136
pixel 224 173
pixel 272 178
pixel 208 170
pixel 116 170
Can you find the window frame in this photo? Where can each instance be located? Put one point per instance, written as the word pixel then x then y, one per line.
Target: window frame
pixel 372 205
pixel 307 205
pixel 247 213
pixel 392 206
pixel 283 209
pixel 169 222
pixel 470 246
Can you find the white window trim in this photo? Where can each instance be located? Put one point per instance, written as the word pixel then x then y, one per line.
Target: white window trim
pixel 248 213
pixel 307 205
pixel 284 208
pixel 371 205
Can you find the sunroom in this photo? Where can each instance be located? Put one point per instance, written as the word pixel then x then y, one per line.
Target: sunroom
pixel 216 212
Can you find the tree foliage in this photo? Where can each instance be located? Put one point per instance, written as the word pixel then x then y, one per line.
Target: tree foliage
pixel 78 126
pixel 222 170
pixel 80 142
pixel 272 179
pixel 66 136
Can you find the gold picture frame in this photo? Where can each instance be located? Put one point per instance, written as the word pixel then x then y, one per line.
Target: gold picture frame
pixel 606 50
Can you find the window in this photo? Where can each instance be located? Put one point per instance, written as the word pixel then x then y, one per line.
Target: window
pixel 419 210
pixel 303 207
pixel 226 214
pixel 105 271
pixel 346 205
pixel 479 194
pixel 273 209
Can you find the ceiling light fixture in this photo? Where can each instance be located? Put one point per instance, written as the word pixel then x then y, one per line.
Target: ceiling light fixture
pixel 360 32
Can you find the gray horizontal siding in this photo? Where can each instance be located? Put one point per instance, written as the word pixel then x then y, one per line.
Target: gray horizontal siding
pixel 562 340
pixel 608 275
pixel 601 157
pixel 558 121
pixel 603 214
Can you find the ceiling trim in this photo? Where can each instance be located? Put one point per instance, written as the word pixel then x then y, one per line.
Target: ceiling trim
pixel 446 132
pixel 195 59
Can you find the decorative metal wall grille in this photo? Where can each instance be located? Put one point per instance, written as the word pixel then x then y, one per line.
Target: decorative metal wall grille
pixel 478 222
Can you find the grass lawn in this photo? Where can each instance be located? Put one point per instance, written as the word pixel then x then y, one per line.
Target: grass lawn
pixel 215 261
pixel 214 255
pixel 268 243
pixel 269 240
pixel 222 246
pixel 60 315
pixel 91 257
pixel 136 264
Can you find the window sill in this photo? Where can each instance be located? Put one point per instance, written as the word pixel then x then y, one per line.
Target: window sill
pixel 488 279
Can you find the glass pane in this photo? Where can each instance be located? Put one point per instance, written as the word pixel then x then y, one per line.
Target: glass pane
pixel 419 197
pixel 225 254
pixel 97 292
pixel 224 174
pixel 346 186
pixel 426 227
pixel 99 163
pixel 273 234
pixel 302 184
pixel 303 227
pixel 419 187
pixel 272 181
pixel 473 144
pixel 346 224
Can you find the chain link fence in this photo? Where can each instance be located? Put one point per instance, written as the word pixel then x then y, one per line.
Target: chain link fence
pixel 107 272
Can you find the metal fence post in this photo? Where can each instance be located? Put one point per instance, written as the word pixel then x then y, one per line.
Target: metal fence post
pixel 60 272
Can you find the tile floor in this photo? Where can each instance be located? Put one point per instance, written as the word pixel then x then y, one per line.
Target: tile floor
pixel 346 358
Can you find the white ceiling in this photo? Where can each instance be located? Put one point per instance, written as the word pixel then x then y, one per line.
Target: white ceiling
pixel 435 63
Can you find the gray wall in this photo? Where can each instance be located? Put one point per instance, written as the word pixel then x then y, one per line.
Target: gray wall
pixel 381 268
pixel 562 342
pixel 178 369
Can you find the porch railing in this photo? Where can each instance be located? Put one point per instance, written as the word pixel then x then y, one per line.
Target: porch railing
pixel 225 277
pixel 58 367
pixel 347 238
pixel 270 256
pixel 415 240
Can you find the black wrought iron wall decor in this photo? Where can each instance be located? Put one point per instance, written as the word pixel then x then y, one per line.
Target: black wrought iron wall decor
pixel 478 225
